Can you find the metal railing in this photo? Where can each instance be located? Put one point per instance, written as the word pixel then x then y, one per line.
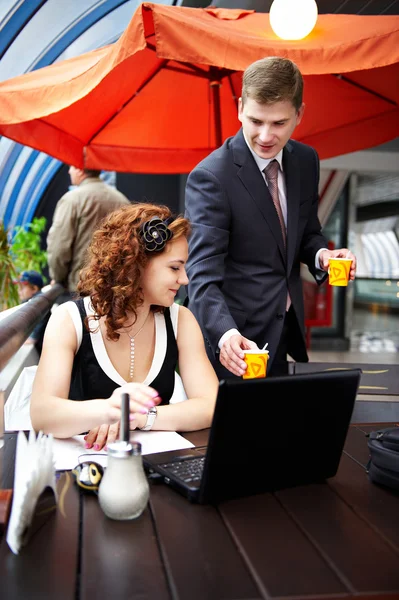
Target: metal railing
pixel 16 328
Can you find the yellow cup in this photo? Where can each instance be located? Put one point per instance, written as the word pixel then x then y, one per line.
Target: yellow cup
pixel 256 361
pixel 338 271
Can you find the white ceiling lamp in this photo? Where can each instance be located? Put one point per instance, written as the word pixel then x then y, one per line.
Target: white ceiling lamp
pixel 293 19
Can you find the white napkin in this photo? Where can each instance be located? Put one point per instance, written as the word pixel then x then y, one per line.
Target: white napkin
pixel 34 472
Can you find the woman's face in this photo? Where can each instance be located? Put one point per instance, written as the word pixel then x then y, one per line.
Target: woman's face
pixel 165 273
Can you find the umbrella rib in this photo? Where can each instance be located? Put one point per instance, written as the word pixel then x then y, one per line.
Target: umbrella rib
pixel 195 71
pixel 212 74
pixel 198 72
pixel 193 67
pixel 365 89
pixel 151 76
pixel 162 64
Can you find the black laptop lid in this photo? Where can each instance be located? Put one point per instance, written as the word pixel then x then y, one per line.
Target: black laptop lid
pixel 278 432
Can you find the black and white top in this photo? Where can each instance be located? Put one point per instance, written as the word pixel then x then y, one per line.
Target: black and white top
pixel 93 374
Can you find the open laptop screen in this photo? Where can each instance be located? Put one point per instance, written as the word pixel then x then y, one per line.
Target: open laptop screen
pixel 268 434
pixel 273 433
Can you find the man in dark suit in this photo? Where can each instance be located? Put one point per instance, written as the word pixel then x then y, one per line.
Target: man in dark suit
pixel 253 207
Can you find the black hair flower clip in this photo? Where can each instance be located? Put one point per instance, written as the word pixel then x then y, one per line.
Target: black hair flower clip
pixel 155 233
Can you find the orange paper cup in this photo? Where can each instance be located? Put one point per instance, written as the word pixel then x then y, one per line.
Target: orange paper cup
pixel 256 361
pixel 338 271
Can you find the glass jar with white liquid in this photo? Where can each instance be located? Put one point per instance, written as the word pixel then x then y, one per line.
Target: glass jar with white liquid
pixel 124 490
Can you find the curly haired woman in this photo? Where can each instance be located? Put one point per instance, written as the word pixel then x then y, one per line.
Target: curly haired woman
pixel 125 334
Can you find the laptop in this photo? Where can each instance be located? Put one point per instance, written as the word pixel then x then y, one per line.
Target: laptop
pixel 266 435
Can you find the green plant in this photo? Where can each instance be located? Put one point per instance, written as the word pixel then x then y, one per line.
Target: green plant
pixel 20 250
pixel 25 247
pixel 8 290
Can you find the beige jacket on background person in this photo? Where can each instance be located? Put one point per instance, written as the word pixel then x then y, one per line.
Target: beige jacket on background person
pixel 76 216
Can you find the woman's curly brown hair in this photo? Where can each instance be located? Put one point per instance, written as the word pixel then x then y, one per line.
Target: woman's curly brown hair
pixel 115 260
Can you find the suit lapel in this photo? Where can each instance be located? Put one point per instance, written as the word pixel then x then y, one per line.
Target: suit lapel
pixel 256 186
pixel 292 185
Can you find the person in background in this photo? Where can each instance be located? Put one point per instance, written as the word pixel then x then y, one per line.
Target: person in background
pixel 76 216
pixel 126 334
pixel 30 284
pixel 253 208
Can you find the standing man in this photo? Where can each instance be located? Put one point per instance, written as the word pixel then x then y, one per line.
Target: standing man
pixel 253 207
pixel 76 216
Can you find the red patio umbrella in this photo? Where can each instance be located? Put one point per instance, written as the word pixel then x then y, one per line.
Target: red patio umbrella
pixel 165 94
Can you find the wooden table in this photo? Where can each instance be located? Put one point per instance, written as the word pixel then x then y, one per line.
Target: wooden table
pixel 378 394
pixel 327 541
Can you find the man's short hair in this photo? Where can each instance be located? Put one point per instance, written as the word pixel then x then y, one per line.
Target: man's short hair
pixel 92 172
pixel 31 277
pixel 273 79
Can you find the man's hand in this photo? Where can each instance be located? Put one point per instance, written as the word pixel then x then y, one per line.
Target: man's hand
pixel 232 355
pixel 341 253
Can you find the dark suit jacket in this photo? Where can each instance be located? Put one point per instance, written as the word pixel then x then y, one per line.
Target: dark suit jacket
pixel 238 268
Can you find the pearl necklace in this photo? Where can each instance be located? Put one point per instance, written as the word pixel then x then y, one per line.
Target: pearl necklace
pixel 131 367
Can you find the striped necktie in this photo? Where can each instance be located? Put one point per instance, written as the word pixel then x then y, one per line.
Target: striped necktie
pixel 271 172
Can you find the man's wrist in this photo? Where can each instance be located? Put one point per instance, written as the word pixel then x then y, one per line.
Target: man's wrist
pixel 317 259
pixel 226 336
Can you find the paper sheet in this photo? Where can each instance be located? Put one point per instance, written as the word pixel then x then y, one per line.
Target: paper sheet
pixel 67 452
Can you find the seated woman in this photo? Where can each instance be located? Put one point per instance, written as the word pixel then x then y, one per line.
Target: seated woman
pixel 126 334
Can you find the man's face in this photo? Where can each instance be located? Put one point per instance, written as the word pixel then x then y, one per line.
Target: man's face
pixel 26 291
pixel 268 127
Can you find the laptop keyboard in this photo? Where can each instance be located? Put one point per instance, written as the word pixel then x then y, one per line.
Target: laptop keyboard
pixel 188 470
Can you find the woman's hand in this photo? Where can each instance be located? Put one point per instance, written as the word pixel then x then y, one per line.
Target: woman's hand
pixel 138 422
pixel 101 436
pixel 142 397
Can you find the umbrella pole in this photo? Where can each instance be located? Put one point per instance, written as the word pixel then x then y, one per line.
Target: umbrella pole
pixel 215 87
